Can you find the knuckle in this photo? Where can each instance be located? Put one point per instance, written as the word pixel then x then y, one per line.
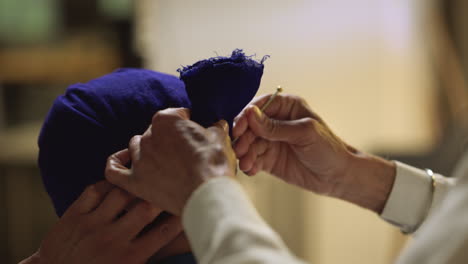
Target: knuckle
pixel 110 159
pixel 250 136
pixel 310 124
pixel 108 170
pixel 91 192
pixel 272 126
pixel 145 211
pixel 297 100
pixel 166 231
pixel 134 140
pixel 312 127
pixel 85 225
pixel 132 253
pixel 302 101
pixel 295 97
pixel 158 116
pixel 238 117
pixel 144 139
pixel 169 113
pixel 106 236
pixel 120 194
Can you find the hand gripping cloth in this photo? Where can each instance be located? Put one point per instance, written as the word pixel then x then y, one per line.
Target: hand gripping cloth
pixel 220 87
pixel 95 119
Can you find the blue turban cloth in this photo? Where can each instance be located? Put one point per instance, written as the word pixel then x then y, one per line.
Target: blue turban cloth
pixel 220 87
pixel 96 119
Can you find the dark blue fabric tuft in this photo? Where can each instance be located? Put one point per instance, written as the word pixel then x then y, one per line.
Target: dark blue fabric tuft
pixel 220 87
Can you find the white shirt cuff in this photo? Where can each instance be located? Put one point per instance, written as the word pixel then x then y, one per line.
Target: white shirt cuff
pixel 410 199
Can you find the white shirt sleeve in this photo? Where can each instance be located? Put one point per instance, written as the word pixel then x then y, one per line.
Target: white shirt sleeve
pixel 223 227
pixel 413 197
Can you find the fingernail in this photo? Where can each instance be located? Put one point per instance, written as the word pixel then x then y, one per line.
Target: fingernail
pixel 223 124
pixel 258 113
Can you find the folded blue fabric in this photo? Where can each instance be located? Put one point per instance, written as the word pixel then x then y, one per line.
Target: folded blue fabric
pixel 220 87
pixel 95 119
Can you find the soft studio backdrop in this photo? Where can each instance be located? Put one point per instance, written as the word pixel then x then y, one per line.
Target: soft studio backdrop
pixel 362 65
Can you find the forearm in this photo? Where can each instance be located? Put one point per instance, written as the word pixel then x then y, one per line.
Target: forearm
pixel 368 182
pixel 400 194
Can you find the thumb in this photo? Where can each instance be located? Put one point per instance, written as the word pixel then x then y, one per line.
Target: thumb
pixel 116 172
pixel 291 131
pixel 223 125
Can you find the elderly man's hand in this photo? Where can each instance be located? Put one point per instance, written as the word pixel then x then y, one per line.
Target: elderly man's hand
pixel 172 158
pixel 95 229
pixel 291 141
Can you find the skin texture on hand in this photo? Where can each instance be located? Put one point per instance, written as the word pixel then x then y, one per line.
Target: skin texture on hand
pixel 292 142
pixel 172 158
pixel 104 226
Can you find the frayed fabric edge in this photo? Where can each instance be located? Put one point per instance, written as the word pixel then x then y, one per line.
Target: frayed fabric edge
pixel 237 56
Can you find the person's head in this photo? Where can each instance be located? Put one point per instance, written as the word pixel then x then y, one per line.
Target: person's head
pixel 96 119
pixel 93 120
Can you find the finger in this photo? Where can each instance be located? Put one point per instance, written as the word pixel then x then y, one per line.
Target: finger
pixel 134 147
pixel 243 143
pixel 240 119
pixel 219 132
pixel 257 166
pixel 223 125
pixel 91 197
pixel 116 172
pixel 247 161
pixel 178 113
pixel 290 131
pixel 260 146
pixel 261 100
pixel 140 215
pixel 274 106
pixel 159 236
pixel 284 107
pixel 104 187
pixel 240 125
pixel 113 205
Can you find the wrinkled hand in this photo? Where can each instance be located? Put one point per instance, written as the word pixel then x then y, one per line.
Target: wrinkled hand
pixel 291 142
pixel 93 230
pixel 172 158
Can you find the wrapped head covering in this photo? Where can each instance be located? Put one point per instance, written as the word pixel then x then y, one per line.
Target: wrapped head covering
pixel 96 119
pixel 220 87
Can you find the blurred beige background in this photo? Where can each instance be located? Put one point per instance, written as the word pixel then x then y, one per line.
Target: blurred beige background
pixel 386 75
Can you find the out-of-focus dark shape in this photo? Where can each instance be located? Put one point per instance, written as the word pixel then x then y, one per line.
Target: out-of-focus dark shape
pixel 449 51
pixel 45 45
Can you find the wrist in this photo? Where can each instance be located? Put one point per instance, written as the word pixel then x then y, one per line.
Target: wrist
pixel 202 176
pixel 368 181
